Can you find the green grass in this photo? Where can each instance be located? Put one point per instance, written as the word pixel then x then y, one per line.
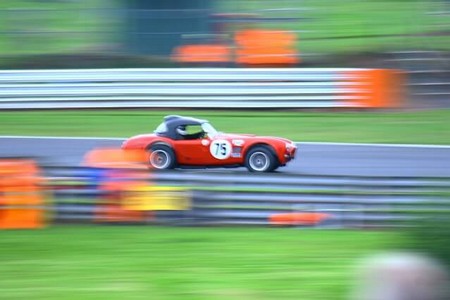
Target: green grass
pixel 103 262
pixel 36 27
pixel 418 127
pixel 355 25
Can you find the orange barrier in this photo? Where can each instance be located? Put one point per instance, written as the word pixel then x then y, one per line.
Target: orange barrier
pixel 21 197
pixel 116 158
pixel 253 47
pixel 265 47
pixel 297 218
pixel 374 88
pixel 118 171
pixel 115 187
pixel 212 53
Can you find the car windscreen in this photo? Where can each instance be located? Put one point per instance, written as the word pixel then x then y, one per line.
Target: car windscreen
pixel 161 128
pixel 209 129
pixel 193 129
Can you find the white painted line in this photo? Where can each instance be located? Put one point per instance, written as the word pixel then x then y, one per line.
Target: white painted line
pixel 59 137
pixel 376 145
pixel 298 143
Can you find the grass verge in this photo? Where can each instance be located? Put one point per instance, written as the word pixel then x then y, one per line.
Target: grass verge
pixel 418 127
pixel 36 27
pixel 117 262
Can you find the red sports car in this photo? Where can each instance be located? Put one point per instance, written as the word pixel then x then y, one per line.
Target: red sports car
pixel 185 141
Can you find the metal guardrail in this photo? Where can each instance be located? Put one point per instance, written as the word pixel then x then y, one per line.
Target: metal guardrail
pixel 241 198
pixel 428 74
pixel 181 88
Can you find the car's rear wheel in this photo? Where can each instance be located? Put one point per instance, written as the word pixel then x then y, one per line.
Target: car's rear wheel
pixel 260 159
pixel 161 157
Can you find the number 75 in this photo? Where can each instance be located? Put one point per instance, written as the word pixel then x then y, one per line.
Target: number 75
pixel 221 148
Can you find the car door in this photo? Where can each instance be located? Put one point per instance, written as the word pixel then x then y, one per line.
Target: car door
pixel 223 152
pixel 205 151
pixel 193 152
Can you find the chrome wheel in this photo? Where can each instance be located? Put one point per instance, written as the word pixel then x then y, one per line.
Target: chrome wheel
pixel 259 161
pixel 160 159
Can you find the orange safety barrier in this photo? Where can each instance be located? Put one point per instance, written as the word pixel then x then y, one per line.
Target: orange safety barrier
pixel 21 197
pixel 265 47
pixel 111 209
pixel 116 158
pixel 213 53
pixel 297 218
pixel 374 88
pixel 119 170
pixel 253 47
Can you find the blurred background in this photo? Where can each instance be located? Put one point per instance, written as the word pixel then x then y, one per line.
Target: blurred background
pixel 97 29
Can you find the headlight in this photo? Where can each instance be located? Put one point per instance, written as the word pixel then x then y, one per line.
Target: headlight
pixel 289 146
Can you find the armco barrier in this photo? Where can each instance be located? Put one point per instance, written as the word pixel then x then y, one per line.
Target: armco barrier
pixel 241 198
pixel 205 88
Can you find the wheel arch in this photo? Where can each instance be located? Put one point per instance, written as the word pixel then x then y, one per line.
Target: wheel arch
pixel 162 143
pixel 262 144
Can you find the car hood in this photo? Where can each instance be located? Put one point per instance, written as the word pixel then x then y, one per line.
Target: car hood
pixel 252 137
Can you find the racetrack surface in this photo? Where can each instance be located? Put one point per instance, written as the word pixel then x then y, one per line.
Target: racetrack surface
pixel 312 158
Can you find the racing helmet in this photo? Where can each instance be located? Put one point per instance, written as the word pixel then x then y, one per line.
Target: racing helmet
pixel 182 130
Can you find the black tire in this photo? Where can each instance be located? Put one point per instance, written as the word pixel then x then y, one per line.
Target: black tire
pixel 261 159
pixel 161 157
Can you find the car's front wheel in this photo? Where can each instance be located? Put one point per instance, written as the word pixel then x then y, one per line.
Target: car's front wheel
pixel 161 157
pixel 260 159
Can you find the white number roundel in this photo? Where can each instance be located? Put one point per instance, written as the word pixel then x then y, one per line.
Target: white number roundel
pixel 220 149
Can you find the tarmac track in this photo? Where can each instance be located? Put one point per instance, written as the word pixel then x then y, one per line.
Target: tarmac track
pixel 312 158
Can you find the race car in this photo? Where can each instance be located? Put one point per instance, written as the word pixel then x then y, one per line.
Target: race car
pixel 190 142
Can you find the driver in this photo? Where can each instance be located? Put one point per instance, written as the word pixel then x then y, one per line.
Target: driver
pixel 182 130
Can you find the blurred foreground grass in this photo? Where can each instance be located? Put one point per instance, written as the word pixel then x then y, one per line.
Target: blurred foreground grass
pixel 131 262
pixel 414 127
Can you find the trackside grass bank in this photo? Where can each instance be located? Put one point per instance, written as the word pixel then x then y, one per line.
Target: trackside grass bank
pixel 322 26
pixel 147 262
pixel 417 127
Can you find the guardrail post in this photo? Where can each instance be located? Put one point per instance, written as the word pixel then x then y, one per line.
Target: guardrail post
pixel 21 197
